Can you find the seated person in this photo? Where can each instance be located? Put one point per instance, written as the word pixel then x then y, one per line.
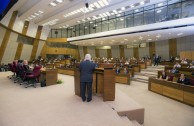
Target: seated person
pixel 126 62
pixel 117 70
pixel 190 65
pixel 125 71
pixel 177 65
pixel 163 76
pixel 183 80
pixel 26 67
pixel 184 61
pixel 174 70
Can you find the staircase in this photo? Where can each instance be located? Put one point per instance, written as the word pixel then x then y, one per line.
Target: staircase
pixel 144 75
pixel 130 122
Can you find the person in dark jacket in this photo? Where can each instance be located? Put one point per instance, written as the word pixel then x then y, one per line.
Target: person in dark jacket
pixel 183 80
pixel 86 77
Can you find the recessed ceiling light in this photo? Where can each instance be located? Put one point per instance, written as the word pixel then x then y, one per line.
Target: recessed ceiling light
pixel 105 2
pixel 132 6
pixel 53 4
pixel 160 4
pixel 158 36
pixel 122 8
pixel 142 3
pixel 96 5
pixel 59 1
pixel 101 3
pixel 179 34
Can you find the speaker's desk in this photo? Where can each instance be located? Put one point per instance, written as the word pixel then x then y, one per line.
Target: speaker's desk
pixel 50 75
pixel 103 82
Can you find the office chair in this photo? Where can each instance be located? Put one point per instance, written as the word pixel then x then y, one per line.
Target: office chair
pixel 34 77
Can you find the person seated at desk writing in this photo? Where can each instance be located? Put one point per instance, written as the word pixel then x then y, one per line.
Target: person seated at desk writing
pixel 174 70
pixel 125 71
pixel 183 80
pixel 190 65
pixel 177 65
pixel 117 70
pixel 163 76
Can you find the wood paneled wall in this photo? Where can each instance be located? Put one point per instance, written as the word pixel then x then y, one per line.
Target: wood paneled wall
pixel 20 45
pixel 85 49
pixel 172 47
pixel 109 53
pixel 136 52
pixel 36 43
pixel 51 50
pixel 152 48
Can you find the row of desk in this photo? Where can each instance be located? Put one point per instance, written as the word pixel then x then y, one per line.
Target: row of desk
pixel 180 92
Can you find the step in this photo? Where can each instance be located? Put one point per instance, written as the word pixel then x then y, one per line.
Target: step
pixel 135 123
pixel 146 74
pixel 126 121
pixel 142 81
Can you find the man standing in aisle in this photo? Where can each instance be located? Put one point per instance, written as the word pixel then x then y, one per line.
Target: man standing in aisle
pixel 86 77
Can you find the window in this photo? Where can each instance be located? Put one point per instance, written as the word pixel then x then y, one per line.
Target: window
pixel 160 14
pixel 98 26
pixel 112 24
pixel 129 20
pixel 120 22
pixel 138 19
pixel 149 17
pixel 174 11
pixel 187 9
pixel 105 25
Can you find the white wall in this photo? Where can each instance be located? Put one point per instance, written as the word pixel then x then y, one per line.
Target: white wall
pixel 162 49
pixel 26 52
pixel 32 30
pixel 10 51
pixel 102 53
pixel 185 44
pixel 2 33
pixel 115 50
pixel 128 52
pixel 45 32
pixel 91 51
pixel 18 25
pixel 6 19
pixel 40 46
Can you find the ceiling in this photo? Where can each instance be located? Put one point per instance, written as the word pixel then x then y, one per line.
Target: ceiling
pixel 67 13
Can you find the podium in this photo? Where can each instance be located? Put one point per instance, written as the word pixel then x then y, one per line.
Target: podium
pixel 103 82
pixel 50 75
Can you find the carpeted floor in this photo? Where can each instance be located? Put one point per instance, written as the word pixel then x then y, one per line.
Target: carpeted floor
pixel 58 106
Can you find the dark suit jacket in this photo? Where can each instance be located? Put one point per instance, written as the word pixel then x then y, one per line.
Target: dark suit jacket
pixel 185 81
pixel 86 71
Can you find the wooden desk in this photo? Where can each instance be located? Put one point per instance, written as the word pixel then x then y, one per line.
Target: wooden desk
pixel 50 75
pixel 66 71
pixel 179 92
pixel 103 82
pixel 122 78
